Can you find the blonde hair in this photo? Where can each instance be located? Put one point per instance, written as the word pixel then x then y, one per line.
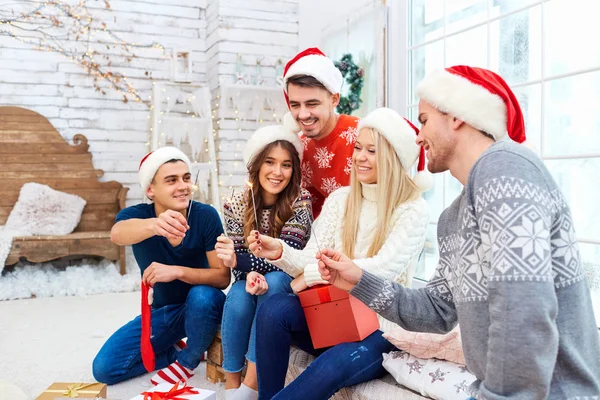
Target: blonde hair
pixel 394 187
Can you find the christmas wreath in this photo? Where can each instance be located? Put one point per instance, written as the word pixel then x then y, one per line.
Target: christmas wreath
pixel 354 77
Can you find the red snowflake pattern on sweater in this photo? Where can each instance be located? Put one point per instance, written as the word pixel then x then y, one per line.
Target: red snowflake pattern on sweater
pixel 330 184
pixel 348 167
pixel 323 157
pixel 304 141
pixel 350 135
pixel 326 160
pixel 307 173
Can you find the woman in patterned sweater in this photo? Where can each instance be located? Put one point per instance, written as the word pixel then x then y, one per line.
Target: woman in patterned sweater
pixel 380 222
pixel 273 156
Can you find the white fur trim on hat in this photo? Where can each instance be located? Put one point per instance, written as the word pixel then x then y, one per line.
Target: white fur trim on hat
pixel 289 131
pixel 397 131
pixel 154 160
pixel 465 100
pixel 319 67
pixel 402 136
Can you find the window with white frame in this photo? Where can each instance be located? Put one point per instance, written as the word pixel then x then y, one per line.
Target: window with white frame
pixel 546 51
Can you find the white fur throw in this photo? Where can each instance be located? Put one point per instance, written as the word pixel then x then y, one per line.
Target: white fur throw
pixel 40 210
pixel 11 391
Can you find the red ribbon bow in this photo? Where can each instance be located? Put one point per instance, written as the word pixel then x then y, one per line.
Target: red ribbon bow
pixel 171 394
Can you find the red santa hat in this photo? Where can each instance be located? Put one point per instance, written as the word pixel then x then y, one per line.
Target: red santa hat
pixel 264 136
pixel 477 96
pixel 155 159
pixel 313 62
pixel 402 135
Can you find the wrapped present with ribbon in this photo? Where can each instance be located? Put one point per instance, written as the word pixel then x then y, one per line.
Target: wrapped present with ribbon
pixel 179 391
pixel 74 390
pixel 334 316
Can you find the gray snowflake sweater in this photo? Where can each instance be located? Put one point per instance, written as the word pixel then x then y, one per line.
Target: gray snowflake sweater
pixel 510 273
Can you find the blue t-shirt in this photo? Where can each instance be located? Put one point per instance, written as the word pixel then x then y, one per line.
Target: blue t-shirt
pixel 205 227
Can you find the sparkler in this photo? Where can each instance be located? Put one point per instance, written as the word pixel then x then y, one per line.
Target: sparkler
pixel 312 230
pixel 249 184
pixel 230 201
pixel 193 188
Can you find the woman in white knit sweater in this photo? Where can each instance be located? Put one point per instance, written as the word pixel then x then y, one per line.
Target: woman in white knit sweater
pixel 379 221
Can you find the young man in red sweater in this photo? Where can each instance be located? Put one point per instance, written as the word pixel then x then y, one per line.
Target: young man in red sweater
pixel 312 86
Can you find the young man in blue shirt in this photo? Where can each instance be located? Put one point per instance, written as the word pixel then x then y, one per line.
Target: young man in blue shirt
pixel 177 258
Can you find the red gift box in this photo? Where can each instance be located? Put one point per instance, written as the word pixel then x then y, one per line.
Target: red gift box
pixel 334 316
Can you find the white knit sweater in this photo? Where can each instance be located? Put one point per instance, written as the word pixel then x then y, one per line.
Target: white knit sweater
pixel 397 258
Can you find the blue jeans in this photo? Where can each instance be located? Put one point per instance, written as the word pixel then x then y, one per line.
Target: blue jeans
pixel 279 324
pixel 197 319
pixel 238 329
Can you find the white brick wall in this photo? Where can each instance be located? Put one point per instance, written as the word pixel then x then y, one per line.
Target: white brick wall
pixel 214 30
pixel 254 29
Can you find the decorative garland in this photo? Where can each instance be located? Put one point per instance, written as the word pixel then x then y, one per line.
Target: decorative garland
pixel 354 77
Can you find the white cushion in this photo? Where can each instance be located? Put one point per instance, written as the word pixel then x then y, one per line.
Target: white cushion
pixel 41 210
pixel 434 378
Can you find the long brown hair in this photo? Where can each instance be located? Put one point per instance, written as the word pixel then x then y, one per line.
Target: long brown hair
pixel 283 208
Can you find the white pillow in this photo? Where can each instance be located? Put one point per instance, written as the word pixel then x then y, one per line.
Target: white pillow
pixel 41 210
pixel 433 378
pixel 428 345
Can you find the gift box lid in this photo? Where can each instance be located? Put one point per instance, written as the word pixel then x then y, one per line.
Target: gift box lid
pixel 320 294
pixel 71 389
pixel 203 394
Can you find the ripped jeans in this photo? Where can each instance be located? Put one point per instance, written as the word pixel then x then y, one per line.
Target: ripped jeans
pixel 281 323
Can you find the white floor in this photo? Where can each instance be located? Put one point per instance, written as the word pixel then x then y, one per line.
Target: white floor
pixel 55 339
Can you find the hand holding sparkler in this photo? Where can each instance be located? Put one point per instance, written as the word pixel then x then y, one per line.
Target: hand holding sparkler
pixel 170 224
pixel 264 246
pixel 225 247
pixel 226 251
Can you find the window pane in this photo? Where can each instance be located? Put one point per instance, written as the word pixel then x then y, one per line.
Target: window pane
pixel 571 117
pixel 469 48
pixel 530 99
pixel 571 26
pixel 516 46
pixel 429 257
pixel 422 61
pixel 579 182
pixel 413 115
pixel 590 257
pixel 463 14
pixel 500 7
pixel 435 197
pixel 426 20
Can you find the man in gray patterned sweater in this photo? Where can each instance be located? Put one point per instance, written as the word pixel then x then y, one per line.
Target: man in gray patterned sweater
pixel 509 269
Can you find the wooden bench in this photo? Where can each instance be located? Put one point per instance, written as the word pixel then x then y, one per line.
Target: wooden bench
pixel 32 150
pixel 214 360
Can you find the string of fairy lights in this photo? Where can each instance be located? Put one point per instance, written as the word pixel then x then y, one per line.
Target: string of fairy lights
pixel 229 106
pixel 54 21
pixel 76 34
